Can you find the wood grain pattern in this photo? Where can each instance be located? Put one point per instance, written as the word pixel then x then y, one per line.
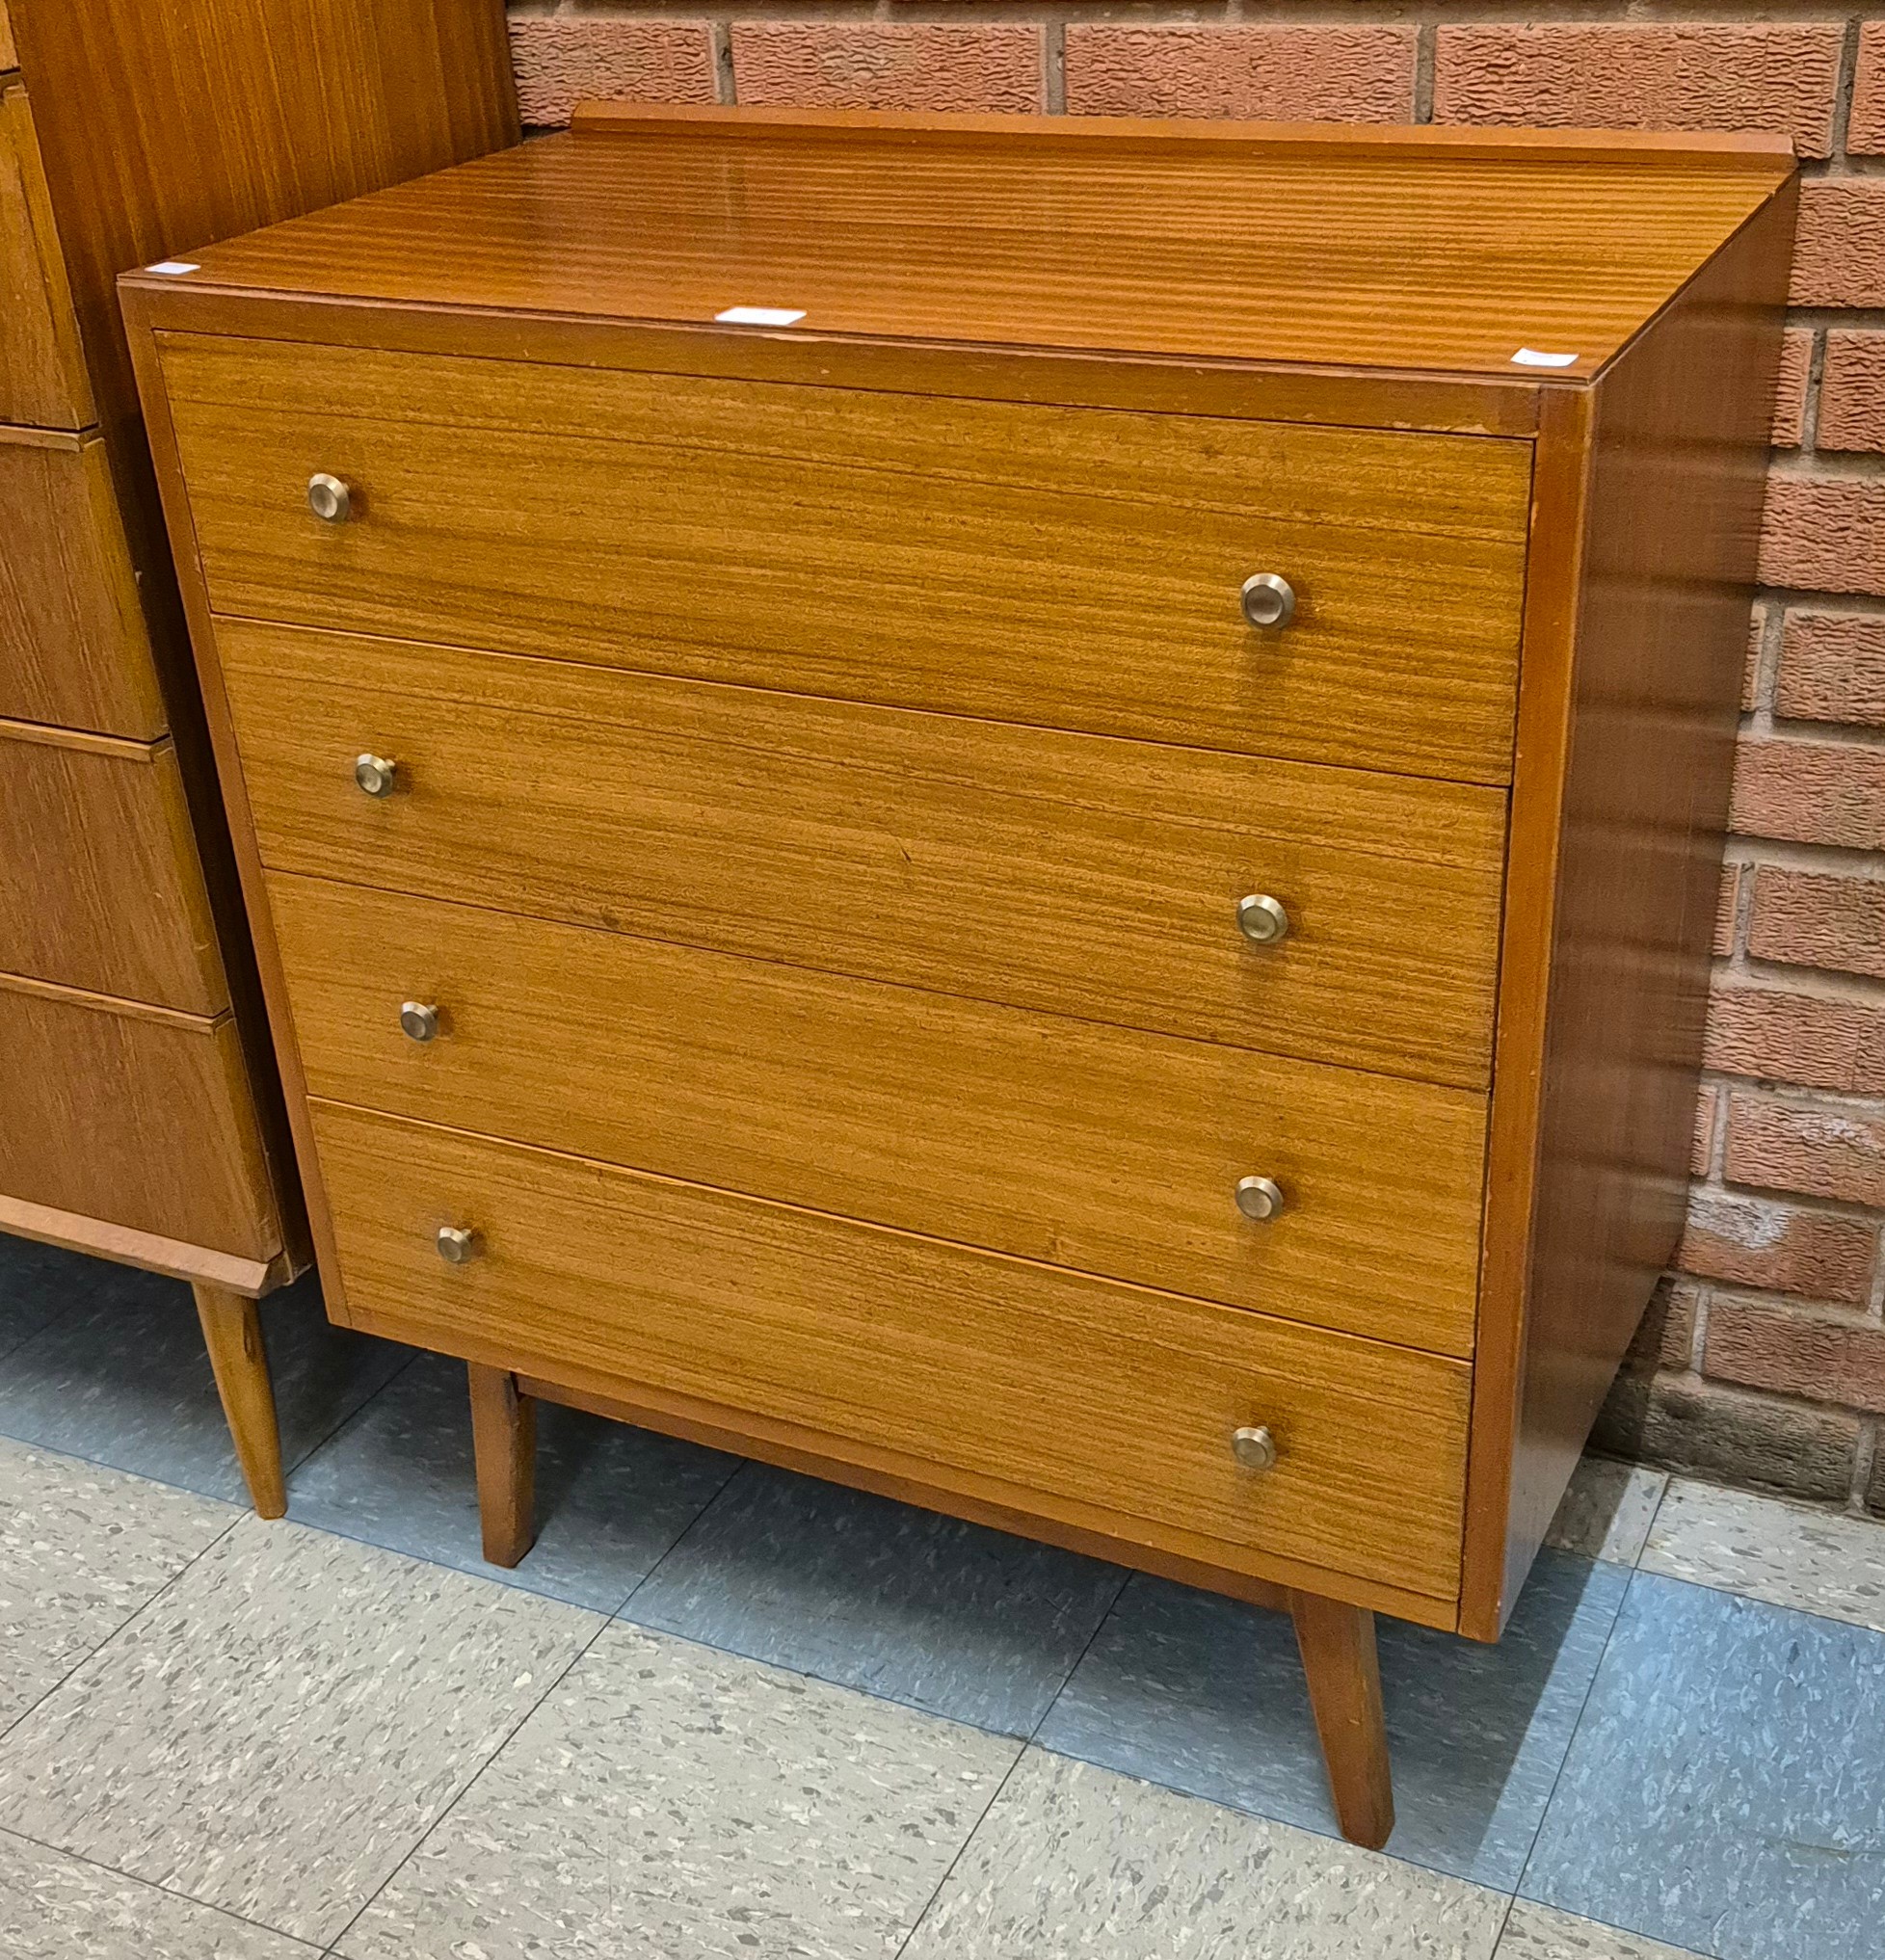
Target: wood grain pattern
pixel 167 126
pixel 233 1332
pixel 99 887
pixel 42 376
pixel 73 645
pixel 1397 251
pixel 1071 873
pixel 1634 660
pixel 1115 1396
pixel 504 1442
pixel 118 1117
pixel 1343 1670
pixel 8 58
pixel 172 1257
pixel 907 550
pixel 1095 1147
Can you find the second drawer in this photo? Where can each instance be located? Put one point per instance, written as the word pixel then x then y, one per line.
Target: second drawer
pixel 1102 1149
pixel 100 883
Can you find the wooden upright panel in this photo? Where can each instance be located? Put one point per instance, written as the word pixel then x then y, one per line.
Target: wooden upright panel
pixel 1626 752
pixel 42 377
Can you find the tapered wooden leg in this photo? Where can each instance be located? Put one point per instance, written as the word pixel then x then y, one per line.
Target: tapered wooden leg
pixel 1344 1690
pixel 233 1332
pixel 504 1438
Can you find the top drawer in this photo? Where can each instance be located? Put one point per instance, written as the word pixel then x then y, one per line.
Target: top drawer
pixel 43 379
pixel 1071 567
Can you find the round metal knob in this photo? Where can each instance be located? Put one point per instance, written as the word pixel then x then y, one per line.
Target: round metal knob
pixel 1269 600
pixel 459 1246
pixel 1259 1198
pixel 376 775
pixel 418 1020
pixel 1262 918
pixel 329 499
pixel 1254 1447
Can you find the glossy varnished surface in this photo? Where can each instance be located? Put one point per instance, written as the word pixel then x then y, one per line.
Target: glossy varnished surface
pixel 1080 1392
pixel 1098 1147
pixel 1399 253
pixel 866 841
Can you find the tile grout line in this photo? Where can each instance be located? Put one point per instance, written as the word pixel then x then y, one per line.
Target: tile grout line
pixel 969 1837
pixel 155 1885
pixel 136 1613
pixel 418 1843
pixel 348 1420
pixel 740 1464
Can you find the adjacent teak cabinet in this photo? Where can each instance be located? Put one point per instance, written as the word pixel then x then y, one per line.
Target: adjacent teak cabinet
pixel 140 1113
pixel 1024 811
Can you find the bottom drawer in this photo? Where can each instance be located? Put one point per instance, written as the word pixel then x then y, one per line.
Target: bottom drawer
pixel 1102 1404
pixel 132 1118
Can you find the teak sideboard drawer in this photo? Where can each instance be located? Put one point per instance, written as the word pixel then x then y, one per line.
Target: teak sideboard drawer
pixel 1067 568
pixel 134 1118
pixel 1071 873
pixel 73 645
pixel 99 883
pixel 1096 1397
pixel 42 377
pixel 1102 1149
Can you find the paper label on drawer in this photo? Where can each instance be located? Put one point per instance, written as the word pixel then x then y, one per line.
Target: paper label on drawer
pixel 760 316
pixel 1529 357
pixel 173 268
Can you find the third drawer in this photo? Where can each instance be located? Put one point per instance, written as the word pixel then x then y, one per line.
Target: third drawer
pixel 1078 874
pixel 1102 1149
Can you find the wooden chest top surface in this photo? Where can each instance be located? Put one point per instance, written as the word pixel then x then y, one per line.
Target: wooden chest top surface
pixel 1414 250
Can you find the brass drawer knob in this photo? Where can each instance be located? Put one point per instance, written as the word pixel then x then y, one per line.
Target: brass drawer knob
pixel 1262 918
pixel 376 775
pixel 1269 600
pixel 329 499
pixel 458 1245
pixel 418 1020
pixel 1259 1198
pixel 1254 1447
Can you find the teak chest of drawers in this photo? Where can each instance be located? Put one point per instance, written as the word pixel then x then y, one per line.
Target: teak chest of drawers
pixel 140 1114
pixel 1071 877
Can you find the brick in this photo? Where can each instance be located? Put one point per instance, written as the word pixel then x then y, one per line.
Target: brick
pixel 1839 252
pixel 1809 1352
pixel 880 65
pixel 1824 533
pixel 1730 1434
pixel 1820 792
pixel 1815 1040
pixel 1608 75
pixel 1817 918
pixel 1865 133
pixel 1281 74
pixel 1875 1486
pixel 1727 900
pixel 1852 391
pixel 1832 666
pixel 1666 1337
pixel 1758 1242
pixel 1790 390
pixel 1808 1148
pixel 1707 1104
pixel 561 63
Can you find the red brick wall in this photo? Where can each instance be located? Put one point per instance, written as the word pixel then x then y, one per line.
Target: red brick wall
pixel 1765 1360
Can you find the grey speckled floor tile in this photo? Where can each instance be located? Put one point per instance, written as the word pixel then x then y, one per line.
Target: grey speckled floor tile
pixel 1608 1510
pixel 1723 1792
pixel 279 1730
pixel 38 1283
pixel 53 1907
pixel 1206 1696
pixel 610 1500
pixel 1075 1860
pixel 671 1800
pixel 962 1622
pixel 1536 1932
pixel 1783 1553
pixel 122 1379
pixel 81 1550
